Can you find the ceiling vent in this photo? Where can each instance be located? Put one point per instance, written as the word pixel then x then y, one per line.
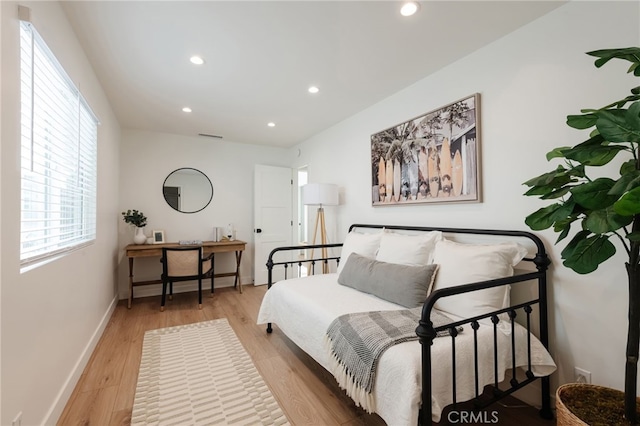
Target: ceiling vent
pixel 210 136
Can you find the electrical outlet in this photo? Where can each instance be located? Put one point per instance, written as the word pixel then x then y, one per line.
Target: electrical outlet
pixel 582 375
pixel 17 420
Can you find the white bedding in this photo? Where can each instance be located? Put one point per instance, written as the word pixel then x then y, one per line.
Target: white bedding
pixel 303 308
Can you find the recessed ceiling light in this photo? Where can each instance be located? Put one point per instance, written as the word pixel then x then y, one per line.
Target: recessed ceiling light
pixel 196 60
pixel 313 89
pixel 186 109
pixel 409 8
pixel 271 124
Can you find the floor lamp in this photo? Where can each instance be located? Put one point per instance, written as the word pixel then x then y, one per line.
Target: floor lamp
pixel 320 194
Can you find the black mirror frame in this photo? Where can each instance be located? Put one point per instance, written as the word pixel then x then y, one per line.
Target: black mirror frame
pixel 187 168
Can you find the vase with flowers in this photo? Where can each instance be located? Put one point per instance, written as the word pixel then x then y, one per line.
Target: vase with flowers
pixel 139 220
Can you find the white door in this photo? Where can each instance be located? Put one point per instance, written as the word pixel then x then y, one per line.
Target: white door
pixel 273 215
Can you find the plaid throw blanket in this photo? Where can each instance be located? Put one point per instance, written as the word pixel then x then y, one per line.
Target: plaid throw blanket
pixel 356 342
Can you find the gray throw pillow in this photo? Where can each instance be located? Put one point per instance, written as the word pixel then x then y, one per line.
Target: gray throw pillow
pixel 405 285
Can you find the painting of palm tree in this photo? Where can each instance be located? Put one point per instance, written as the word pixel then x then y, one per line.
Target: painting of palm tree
pixel 430 158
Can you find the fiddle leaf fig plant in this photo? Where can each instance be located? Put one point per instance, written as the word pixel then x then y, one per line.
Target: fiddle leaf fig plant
pixel 602 208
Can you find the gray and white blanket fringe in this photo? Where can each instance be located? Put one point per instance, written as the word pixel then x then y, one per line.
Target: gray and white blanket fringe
pixel 356 342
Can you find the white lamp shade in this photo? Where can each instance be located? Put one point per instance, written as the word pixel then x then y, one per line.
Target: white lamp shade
pixel 325 194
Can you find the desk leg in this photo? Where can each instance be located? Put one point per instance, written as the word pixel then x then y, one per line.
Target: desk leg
pixel 130 283
pixel 238 282
pixel 213 272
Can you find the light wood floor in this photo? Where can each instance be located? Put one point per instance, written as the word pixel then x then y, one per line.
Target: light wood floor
pixel 306 392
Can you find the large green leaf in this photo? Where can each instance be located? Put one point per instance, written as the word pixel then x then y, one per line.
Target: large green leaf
pixel 546 178
pixel 564 226
pixel 626 183
pixel 556 194
pixel 620 125
pixel 628 166
pixel 550 187
pixel 545 217
pixel 571 246
pixel 594 195
pixel 557 152
pixel 558 186
pixel 595 151
pixel 595 140
pixel 588 252
pixel 581 122
pixel 631 54
pixel 629 203
pixel 550 182
pixel 633 116
pixel 563 233
pixel 594 155
pixel 634 236
pixel 607 220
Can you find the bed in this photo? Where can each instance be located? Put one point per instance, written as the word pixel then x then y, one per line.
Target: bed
pixel 485 339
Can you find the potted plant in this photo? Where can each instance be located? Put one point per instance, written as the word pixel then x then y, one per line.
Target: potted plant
pixel 602 208
pixel 139 220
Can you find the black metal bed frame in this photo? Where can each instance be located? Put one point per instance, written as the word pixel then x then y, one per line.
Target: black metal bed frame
pixel 426 332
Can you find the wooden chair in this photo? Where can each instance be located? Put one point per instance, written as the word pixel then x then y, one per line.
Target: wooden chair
pixel 184 264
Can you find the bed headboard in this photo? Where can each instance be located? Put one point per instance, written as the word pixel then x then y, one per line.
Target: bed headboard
pixel 293 258
pixel 532 242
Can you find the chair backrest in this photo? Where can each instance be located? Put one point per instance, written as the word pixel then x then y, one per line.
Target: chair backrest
pixel 182 261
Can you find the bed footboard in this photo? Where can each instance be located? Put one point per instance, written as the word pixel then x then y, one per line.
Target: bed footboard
pixel 426 333
pixel 304 266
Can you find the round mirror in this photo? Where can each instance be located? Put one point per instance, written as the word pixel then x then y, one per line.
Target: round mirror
pixel 187 190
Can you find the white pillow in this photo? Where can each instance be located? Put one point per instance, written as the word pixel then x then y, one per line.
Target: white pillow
pixel 470 263
pixel 408 249
pixel 363 244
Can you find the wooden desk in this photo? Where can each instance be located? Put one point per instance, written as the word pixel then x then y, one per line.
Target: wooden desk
pixel 155 250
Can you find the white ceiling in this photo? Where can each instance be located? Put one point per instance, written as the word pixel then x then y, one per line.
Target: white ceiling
pixel 261 56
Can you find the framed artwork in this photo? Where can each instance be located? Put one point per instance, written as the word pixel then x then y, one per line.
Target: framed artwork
pixel 158 237
pixel 432 158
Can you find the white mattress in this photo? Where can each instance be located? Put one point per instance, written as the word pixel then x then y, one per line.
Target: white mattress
pixel 303 308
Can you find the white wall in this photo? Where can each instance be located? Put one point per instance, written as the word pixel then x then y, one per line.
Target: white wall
pixel 52 315
pixel 147 158
pixel 529 81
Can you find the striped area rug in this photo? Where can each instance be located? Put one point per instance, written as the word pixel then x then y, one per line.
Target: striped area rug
pixel 199 374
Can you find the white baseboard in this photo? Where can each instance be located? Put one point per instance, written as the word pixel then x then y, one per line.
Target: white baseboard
pixel 53 415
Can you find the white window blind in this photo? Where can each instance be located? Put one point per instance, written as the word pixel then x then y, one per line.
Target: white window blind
pixel 59 156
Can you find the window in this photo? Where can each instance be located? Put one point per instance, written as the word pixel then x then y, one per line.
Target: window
pixel 58 156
